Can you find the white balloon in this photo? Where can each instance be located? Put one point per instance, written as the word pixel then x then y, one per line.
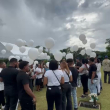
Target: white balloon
pixel 88 51
pixel 29 60
pixel 10 57
pixel 19 42
pixel 48 57
pixel 64 54
pixel 3 52
pixel 58 56
pixel 40 49
pixel 49 43
pixel 22 49
pixel 69 56
pixel 82 52
pixel 71 49
pixel 82 37
pixel 9 46
pixel 75 48
pixel 93 54
pixel 31 43
pixel 24 58
pixel 17 57
pixel 84 42
pixel 33 53
pixel 24 42
pixel 47 64
pixel 92 45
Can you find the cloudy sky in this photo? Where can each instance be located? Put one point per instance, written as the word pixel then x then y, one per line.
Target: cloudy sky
pixel 63 20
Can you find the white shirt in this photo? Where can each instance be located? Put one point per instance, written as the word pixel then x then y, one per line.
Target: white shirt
pixel 98 67
pixel 39 71
pixel 66 77
pixel 52 80
pixel 1 83
pixel 85 71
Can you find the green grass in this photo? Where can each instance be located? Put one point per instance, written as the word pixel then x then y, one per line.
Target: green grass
pixel 104 98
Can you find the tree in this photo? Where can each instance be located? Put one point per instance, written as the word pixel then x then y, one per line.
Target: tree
pixel 108 47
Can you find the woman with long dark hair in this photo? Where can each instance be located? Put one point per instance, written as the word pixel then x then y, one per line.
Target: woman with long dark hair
pixel 84 78
pixel 66 91
pixel 53 78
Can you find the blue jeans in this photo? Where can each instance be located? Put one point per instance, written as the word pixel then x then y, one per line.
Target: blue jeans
pixel 92 87
pixel 74 95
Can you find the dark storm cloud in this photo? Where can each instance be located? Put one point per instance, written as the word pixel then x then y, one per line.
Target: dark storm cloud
pixel 39 19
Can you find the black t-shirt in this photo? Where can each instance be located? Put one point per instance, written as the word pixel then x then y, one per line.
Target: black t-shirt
pixel 92 69
pixel 22 79
pixel 9 75
pixel 78 64
pixel 74 75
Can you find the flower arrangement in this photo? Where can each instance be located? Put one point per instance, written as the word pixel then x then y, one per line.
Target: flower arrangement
pixel 95 98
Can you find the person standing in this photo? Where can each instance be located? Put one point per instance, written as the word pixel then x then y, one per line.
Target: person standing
pixel 78 65
pixel 74 82
pixel 53 78
pixel 92 81
pixel 2 98
pixel 84 78
pixel 25 94
pixel 8 75
pixel 106 68
pixel 98 64
pixel 66 91
pixel 38 77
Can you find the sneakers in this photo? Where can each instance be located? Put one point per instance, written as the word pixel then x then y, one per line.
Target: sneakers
pixel 83 96
pixel 75 108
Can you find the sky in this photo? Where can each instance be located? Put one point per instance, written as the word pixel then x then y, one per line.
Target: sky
pixel 63 20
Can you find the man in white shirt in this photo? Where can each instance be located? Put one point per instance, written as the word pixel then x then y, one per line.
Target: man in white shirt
pixel 2 100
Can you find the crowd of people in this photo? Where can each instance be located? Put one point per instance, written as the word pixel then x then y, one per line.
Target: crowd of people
pixel 18 79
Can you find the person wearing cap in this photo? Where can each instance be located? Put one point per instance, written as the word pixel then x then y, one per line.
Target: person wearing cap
pixel 106 69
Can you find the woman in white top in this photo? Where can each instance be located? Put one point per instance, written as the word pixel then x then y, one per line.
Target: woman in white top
pixel 53 78
pixel 98 64
pixel 66 91
pixel 2 97
pixel 38 77
pixel 84 78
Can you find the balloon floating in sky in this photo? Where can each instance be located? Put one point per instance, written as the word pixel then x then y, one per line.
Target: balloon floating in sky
pixel 22 49
pixel 40 49
pixel 58 56
pixel 33 53
pixel 88 51
pixel 84 42
pixel 82 37
pixel 49 43
pixel 93 54
pixel 19 42
pixel 3 52
pixel 75 48
pixel 69 56
pixel 93 45
pixel 9 46
pixel 31 43
pixel 82 52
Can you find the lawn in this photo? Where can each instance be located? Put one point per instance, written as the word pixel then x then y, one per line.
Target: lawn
pixel 104 98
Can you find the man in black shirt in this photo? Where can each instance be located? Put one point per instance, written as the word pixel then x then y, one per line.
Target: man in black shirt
pixel 74 82
pixel 92 81
pixel 26 96
pixel 8 76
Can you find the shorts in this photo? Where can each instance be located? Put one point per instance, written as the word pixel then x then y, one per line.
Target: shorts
pixel 38 81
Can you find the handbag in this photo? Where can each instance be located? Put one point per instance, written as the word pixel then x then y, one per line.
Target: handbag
pixel 58 81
